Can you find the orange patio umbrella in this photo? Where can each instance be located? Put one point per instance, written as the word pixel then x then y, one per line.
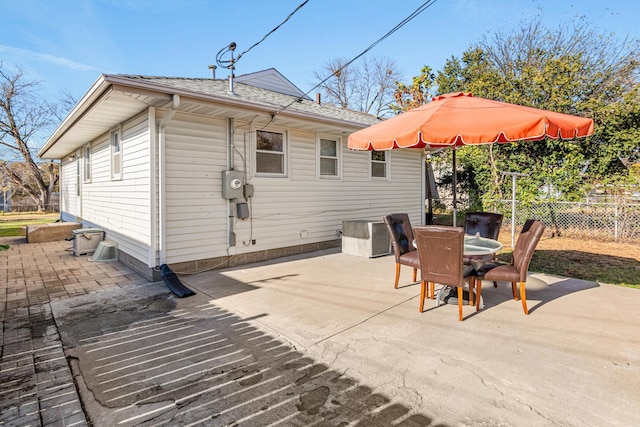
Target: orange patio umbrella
pixel 457 119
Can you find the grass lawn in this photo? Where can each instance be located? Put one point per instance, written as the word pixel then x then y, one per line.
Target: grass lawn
pixel 615 263
pixel 16 224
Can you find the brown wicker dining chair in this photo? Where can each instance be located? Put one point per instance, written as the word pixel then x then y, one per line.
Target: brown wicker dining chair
pixel 440 249
pixel 516 271
pixel 401 235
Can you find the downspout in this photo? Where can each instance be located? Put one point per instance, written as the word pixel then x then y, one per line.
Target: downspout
pixel 161 179
pixel 231 241
pixel 152 260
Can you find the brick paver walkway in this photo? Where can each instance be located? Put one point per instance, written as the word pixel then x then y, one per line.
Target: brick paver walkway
pixel 36 384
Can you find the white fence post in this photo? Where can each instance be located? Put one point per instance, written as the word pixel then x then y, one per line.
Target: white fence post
pixel 615 223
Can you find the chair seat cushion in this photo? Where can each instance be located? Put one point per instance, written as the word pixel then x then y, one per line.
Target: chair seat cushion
pixel 502 273
pixel 411 259
pixel 495 270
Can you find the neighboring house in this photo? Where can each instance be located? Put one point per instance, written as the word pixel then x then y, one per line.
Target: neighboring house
pixel 184 172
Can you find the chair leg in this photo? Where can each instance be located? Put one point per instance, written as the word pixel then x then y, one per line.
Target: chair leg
pixel 423 291
pixel 397 275
pixel 460 295
pixel 415 274
pixel 432 290
pixel 472 285
pixel 514 291
pixel 523 297
pixel 478 294
pixel 495 284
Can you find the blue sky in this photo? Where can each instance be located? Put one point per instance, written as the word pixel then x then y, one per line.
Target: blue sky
pixel 67 44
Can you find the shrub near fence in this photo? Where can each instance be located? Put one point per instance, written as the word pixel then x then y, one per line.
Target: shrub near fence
pixel 599 221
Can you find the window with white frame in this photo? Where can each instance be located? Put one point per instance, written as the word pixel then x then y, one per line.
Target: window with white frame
pixel 329 157
pixel 116 154
pixel 379 164
pixel 87 163
pixel 78 172
pixel 270 153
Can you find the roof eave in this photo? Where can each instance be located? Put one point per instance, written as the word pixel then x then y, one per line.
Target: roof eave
pixel 95 92
pixel 105 82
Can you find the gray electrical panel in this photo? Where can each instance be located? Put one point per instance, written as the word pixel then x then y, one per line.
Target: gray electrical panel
pixel 232 183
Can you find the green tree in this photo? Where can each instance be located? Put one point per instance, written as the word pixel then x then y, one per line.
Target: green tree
pixel 419 93
pixel 571 70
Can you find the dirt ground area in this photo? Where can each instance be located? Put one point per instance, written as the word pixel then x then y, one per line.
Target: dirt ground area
pixel 593 247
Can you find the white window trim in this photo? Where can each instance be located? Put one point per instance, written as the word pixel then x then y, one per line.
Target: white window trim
pixel 338 141
pixel 285 152
pixel 116 131
pixel 87 162
pixel 387 167
pixel 78 165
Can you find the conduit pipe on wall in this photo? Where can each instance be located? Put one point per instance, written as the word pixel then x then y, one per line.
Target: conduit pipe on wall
pixel 161 249
pixel 231 240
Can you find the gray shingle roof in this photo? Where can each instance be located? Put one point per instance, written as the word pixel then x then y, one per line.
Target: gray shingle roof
pixel 278 101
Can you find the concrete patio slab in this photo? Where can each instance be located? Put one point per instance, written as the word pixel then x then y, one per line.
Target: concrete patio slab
pixel 322 340
pixel 574 360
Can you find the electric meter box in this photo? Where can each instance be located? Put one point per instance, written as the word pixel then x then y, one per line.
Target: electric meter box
pixel 232 183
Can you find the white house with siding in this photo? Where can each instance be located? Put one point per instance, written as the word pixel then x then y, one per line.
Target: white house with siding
pixel 202 173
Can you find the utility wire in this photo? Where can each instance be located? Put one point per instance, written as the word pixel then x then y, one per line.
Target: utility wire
pixel 402 23
pixel 272 31
pixel 223 63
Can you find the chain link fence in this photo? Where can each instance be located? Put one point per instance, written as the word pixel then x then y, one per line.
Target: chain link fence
pixel 599 221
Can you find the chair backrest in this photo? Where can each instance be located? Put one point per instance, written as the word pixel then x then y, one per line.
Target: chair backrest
pixel 441 248
pixel 526 246
pixel 400 233
pixel 487 224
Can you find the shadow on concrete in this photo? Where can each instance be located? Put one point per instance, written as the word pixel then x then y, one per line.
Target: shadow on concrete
pixel 540 291
pixel 141 360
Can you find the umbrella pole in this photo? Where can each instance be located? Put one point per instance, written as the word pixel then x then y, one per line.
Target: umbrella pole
pixel 455 184
pixel 513 204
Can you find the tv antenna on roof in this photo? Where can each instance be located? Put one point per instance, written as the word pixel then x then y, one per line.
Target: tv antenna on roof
pixel 229 64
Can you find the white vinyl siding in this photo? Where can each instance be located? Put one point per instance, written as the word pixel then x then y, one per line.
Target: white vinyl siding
pixel 68 191
pixel 121 207
pixel 294 210
pixel 196 214
pixel 286 212
pixel 303 209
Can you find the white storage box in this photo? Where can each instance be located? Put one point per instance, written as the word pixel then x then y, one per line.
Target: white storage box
pixel 86 240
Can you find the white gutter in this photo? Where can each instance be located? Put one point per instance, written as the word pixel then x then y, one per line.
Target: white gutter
pixel 161 249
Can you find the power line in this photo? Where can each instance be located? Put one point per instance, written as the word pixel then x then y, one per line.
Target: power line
pixel 272 31
pixel 424 6
pixel 232 46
